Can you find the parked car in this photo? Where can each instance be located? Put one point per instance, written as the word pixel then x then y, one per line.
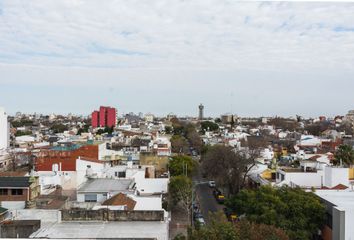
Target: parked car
pixel 211 184
pixel 197 215
pixel 200 221
pixel 220 198
pixel 232 217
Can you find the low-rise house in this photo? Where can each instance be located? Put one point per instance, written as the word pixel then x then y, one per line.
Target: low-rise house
pixel 101 189
pixel 18 192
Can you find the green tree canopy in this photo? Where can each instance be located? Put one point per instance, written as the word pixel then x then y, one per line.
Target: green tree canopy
pixel 298 212
pixel 221 229
pixel 180 192
pixel 344 155
pixel 22 133
pixel 59 128
pixel 207 125
pixel 181 165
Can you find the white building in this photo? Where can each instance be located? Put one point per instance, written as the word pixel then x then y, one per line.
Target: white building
pixel 4 129
pixel 340 213
pixel 313 174
pixel 149 117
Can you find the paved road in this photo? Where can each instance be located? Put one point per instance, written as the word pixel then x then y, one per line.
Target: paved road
pixel 207 201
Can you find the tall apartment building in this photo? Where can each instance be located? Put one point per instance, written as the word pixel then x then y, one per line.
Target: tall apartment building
pixel 4 130
pixel 105 117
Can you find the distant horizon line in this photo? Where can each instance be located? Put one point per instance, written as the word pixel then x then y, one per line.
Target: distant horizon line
pixel 122 114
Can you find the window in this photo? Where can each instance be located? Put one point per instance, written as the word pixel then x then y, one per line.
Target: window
pixel 90 198
pixel 121 174
pixel 3 191
pixel 16 192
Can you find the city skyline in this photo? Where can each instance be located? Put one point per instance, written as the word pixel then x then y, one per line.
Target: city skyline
pixel 161 58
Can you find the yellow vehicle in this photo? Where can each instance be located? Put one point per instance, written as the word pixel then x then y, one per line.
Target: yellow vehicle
pixel 218 196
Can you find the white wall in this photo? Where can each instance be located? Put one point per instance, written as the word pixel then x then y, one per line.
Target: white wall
pixel 303 179
pixel 335 176
pixel 4 130
pixel 13 205
pixel 349 221
pixel 81 167
pixel 45 215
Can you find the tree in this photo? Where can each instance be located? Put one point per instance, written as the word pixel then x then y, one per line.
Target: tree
pixel 283 123
pixel 168 129
pixel 227 166
pixel 221 229
pixel 195 140
pixel 209 126
pixel 344 155
pixel 299 213
pixel 22 133
pixel 178 127
pixel 109 130
pixel 84 129
pixel 59 128
pixel 180 192
pixel 179 144
pixel 181 165
pixel 251 231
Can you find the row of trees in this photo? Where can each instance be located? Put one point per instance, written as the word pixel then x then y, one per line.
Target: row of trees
pixel 185 136
pixel 180 187
pixel 228 167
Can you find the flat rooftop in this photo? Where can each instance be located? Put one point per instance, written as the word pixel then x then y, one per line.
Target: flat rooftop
pixel 106 185
pixel 105 230
pixel 341 198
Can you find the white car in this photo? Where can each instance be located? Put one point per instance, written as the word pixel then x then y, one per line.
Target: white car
pixel 201 221
pixel 212 184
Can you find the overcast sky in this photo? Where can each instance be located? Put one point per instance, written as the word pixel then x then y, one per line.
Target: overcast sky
pixel 249 58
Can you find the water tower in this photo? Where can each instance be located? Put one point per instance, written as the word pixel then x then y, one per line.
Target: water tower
pixel 201 112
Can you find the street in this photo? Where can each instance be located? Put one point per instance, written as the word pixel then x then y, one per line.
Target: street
pixel 207 201
pixel 204 196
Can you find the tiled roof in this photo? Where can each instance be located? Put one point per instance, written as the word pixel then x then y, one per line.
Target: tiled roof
pixel 121 199
pixel 340 187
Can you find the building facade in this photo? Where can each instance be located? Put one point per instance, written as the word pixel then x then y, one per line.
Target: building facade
pixel 18 191
pixel 105 117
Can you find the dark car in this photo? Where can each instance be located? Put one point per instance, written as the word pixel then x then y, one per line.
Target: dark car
pixel 230 215
pixel 220 198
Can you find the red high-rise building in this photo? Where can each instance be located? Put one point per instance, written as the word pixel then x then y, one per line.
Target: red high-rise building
pixel 95 119
pixel 106 117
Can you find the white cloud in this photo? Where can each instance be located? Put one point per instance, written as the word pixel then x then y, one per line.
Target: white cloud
pixel 254 58
pixel 217 34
